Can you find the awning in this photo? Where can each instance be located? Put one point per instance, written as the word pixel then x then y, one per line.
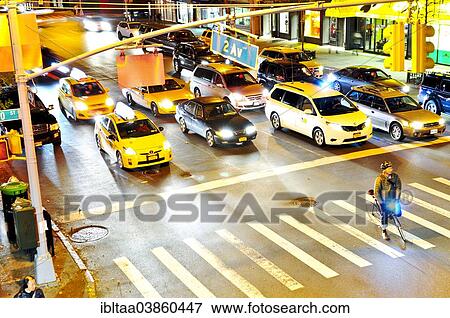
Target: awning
pixel 391 11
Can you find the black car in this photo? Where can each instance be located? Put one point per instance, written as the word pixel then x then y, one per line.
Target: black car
pixel 189 55
pixel 170 40
pixel 45 127
pixel 278 71
pixel 216 120
pixel 434 92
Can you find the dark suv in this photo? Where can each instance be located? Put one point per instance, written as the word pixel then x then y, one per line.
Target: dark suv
pixel 170 40
pixel 279 70
pixel 434 92
pixel 189 55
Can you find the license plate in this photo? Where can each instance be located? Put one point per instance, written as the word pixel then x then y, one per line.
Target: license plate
pixel 38 143
pixel 152 157
pixel 243 139
pixel 433 131
pixel 356 135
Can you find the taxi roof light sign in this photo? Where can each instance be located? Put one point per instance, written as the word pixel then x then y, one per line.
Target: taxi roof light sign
pixel 124 111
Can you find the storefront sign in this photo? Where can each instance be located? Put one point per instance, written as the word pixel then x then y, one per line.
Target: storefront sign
pixel 234 49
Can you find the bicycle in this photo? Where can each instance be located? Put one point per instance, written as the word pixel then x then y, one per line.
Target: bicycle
pixel 375 212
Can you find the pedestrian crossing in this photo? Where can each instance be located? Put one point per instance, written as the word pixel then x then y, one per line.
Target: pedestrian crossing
pixel 252 239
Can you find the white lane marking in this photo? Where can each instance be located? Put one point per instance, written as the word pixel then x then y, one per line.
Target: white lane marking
pixel 295 251
pixel 391 228
pixel 272 269
pixel 442 180
pixel 430 190
pixel 182 273
pixel 425 223
pixel 136 278
pixel 358 234
pixel 237 280
pixel 271 172
pixel 322 239
pixel 432 207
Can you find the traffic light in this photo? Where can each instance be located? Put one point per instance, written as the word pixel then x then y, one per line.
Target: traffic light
pixel 395 47
pixel 420 48
pixel 14 142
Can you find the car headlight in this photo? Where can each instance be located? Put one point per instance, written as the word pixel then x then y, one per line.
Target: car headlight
pixel 109 102
pixel 129 151
pixel 368 122
pixel 442 121
pixel 167 145
pixel 335 126
pixel 237 97
pixel 331 78
pixel 105 26
pixel 165 103
pixel 416 125
pixel 250 130
pixel 54 126
pixel 228 61
pixel 225 133
pixel 321 68
pixel 205 62
pixel 265 92
pixel 80 106
pixel 406 89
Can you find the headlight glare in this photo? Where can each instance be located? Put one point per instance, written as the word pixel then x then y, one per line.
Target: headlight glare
pixel 237 97
pixel 109 102
pixel 167 145
pixel 225 133
pixel 368 122
pixel 54 126
pixel 335 126
pixel 442 121
pixel 80 106
pixel 250 130
pixel 406 89
pixel 416 125
pixel 129 151
pixel 165 103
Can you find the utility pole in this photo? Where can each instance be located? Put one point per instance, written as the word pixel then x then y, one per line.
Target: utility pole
pixel 44 270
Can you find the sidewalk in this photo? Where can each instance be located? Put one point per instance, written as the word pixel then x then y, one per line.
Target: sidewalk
pixel 15 265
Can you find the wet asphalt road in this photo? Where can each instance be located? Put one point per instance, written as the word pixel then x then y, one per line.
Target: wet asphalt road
pixel 314 257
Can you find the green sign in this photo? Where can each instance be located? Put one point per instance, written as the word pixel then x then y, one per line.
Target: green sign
pixel 9 114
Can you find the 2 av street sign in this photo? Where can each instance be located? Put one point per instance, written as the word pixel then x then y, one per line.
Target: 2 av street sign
pixel 9 114
pixel 235 49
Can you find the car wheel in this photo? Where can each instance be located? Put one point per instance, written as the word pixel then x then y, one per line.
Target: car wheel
pixel 130 99
pixel 165 164
pixel 176 66
pixel 197 93
pixel 120 36
pixel 396 132
pixel 154 109
pixel 61 107
pixel 210 138
pixel 183 126
pixel 275 121
pixel 119 160
pixel 432 106
pixel 337 86
pixel 319 137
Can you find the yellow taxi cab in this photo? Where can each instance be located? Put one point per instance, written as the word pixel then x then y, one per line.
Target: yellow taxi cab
pixel 131 139
pixel 161 99
pixel 83 98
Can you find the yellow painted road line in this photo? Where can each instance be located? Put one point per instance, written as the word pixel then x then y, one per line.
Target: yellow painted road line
pixel 325 241
pixel 136 278
pixel 272 269
pixel 231 275
pixel 431 207
pixel 295 251
pixel 442 180
pixel 425 223
pixel 429 190
pixel 358 234
pixel 182 273
pixel 391 228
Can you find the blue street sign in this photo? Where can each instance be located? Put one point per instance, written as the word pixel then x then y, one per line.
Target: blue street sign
pixel 9 114
pixel 234 49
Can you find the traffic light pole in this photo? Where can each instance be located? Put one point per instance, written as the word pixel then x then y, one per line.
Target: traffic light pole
pixel 44 269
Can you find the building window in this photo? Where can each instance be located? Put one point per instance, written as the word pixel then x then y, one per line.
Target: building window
pixel 284 22
pixel 312 24
pixel 244 22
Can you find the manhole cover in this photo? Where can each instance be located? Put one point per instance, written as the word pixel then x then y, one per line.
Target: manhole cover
pixel 304 202
pixel 88 233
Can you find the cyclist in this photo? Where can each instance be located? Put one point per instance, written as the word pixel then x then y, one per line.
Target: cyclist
pixel 387 190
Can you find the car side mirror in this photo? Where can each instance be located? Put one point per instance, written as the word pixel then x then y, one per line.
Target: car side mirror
pixel 107 90
pixel 308 111
pixel 183 85
pixel 161 128
pixel 50 107
pixel 112 137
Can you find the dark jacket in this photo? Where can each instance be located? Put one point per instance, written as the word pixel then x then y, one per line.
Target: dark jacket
pixel 38 293
pixel 387 188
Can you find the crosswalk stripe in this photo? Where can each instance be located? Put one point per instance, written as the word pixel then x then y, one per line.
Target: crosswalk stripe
pixel 322 239
pixel 294 250
pixel 430 190
pixel 136 278
pixel 431 207
pixel 276 272
pixel 425 223
pixel 358 234
pixel 182 273
pixel 442 180
pixel 237 280
pixel 391 228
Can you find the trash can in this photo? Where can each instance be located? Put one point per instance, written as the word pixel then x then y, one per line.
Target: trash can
pixel 10 192
pixel 25 224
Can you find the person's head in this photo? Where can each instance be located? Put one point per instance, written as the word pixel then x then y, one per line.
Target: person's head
pixel 386 168
pixel 29 283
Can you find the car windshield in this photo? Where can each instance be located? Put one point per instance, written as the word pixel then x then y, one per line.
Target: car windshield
pixel 374 75
pixel 334 105
pixel 298 56
pixel 297 72
pixel 169 85
pixel 138 128
pixel 185 36
pixel 215 111
pixel 133 25
pixel 87 89
pixel 402 104
pixel 9 99
pixel 239 79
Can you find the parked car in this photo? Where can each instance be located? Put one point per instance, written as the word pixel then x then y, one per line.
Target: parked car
pixel 96 24
pixel 434 92
pixel 161 99
pixel 286 53
pixel 189 55
pixel 323 114
pixel 216 120
pixel 232 83
pixel 45 127
pixel 170 40
pixel 83 98
pixel 344 79
pixel 207 34
pixel 127 29
pixel 271 72
pixel 395 112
